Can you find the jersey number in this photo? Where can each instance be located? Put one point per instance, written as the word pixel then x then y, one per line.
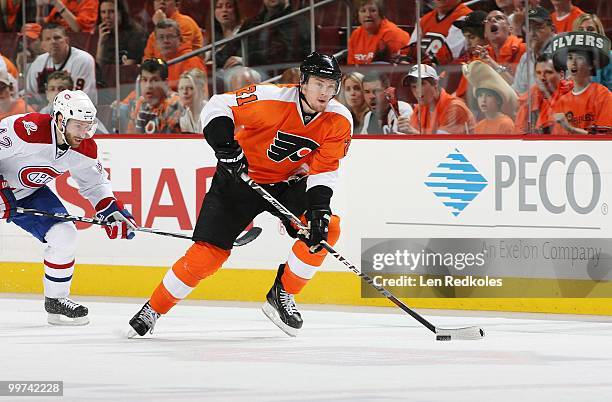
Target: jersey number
pixel 246 99
pixel 5 142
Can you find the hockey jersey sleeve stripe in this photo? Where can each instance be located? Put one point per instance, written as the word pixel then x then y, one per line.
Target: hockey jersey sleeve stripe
pixel 218 105
pixel 328 179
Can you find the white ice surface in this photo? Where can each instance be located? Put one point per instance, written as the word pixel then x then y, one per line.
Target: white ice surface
pixel 222 352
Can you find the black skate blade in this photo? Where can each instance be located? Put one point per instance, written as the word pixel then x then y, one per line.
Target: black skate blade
pixel 272 314
pixel 62 320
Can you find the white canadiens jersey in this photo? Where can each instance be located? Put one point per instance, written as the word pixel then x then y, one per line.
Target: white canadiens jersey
pixel 30 158
pixel 80 65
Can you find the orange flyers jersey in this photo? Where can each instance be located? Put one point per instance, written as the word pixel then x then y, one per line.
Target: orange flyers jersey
pixel 440 37
pixel 271 131
pixel 592 106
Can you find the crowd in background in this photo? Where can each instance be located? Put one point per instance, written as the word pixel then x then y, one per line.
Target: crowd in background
pixel 494 67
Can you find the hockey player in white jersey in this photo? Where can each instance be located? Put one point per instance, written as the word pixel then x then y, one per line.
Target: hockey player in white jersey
pixel 34 150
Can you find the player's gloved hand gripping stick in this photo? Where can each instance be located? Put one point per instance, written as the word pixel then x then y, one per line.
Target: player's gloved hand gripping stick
pixel 442 334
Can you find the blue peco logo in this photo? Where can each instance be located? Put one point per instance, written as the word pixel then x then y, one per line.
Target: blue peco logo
pixel 456 182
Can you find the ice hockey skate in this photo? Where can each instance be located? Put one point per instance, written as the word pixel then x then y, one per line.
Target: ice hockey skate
pixel 280 308
pixel 65 312
pixel 143 321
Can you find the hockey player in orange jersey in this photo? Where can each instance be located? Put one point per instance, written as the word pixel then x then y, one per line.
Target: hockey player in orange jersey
pixel 283 130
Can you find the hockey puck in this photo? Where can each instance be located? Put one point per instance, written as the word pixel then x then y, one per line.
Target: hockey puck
pixel 443 337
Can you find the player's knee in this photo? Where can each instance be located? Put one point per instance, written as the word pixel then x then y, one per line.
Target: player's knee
pixel 201 260
pixel 62 239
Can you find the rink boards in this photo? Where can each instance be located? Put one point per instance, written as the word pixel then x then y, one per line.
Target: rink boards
pixel 410 188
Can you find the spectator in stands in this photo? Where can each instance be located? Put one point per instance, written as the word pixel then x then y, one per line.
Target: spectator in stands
pixel 131 35
pixel 24 57
pixel 10 104
pixel 384 110
pixel 437 112
pixel 351 96
pixel 286 42
pixel 193 95
pixel 549 87
pixel 240 77
pixel 227 25
pixel 505 6
pixel 472 28
pixel 168 40
pixel 191 34
pixel 56 83
pixel 442 42
pixel 588 105
pixel 74 15
pixel 541 31
pixel 497 101
pixel 505 50
pixel 157 110
pixel 592 23
pixel 564 15
pixel 290 76
pixel 377 39
pixel 7 65
pixel 60 56
pixel 517 19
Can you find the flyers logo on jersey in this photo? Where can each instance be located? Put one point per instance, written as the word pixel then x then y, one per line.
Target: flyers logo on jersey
pixel 290 146
pixel 37 176
pixel 29 126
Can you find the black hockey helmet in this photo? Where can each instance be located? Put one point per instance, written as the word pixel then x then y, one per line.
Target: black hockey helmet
pixel 321 65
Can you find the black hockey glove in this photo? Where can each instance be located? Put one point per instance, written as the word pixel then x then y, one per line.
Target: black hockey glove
pixel 318 222
pixel 233 161
pixel 317 216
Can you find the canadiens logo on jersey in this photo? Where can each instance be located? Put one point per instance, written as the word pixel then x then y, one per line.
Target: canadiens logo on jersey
pixel 290 146
pixel 37 176
pixel 30 126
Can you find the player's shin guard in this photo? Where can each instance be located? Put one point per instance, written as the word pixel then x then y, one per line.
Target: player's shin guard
pixel 59 267
pixel 301 266
pixel 200 261
pixel 59 259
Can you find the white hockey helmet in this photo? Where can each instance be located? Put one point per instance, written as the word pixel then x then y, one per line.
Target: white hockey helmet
pixel 75 105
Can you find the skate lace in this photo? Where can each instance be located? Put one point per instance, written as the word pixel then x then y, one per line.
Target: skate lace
pixel 288 302
pixel 149 316
pixel 68 303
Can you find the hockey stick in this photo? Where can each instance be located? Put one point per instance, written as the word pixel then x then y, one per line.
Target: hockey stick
pixel 248 237
pixel 442 334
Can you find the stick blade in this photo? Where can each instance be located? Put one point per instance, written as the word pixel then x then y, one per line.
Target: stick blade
pixel 467 333
pixel 248 237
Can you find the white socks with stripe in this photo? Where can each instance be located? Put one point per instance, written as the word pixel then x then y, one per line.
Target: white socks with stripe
pixel 59 259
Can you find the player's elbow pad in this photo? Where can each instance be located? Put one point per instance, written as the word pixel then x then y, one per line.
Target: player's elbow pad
pixel 319 197
pixel 219 133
